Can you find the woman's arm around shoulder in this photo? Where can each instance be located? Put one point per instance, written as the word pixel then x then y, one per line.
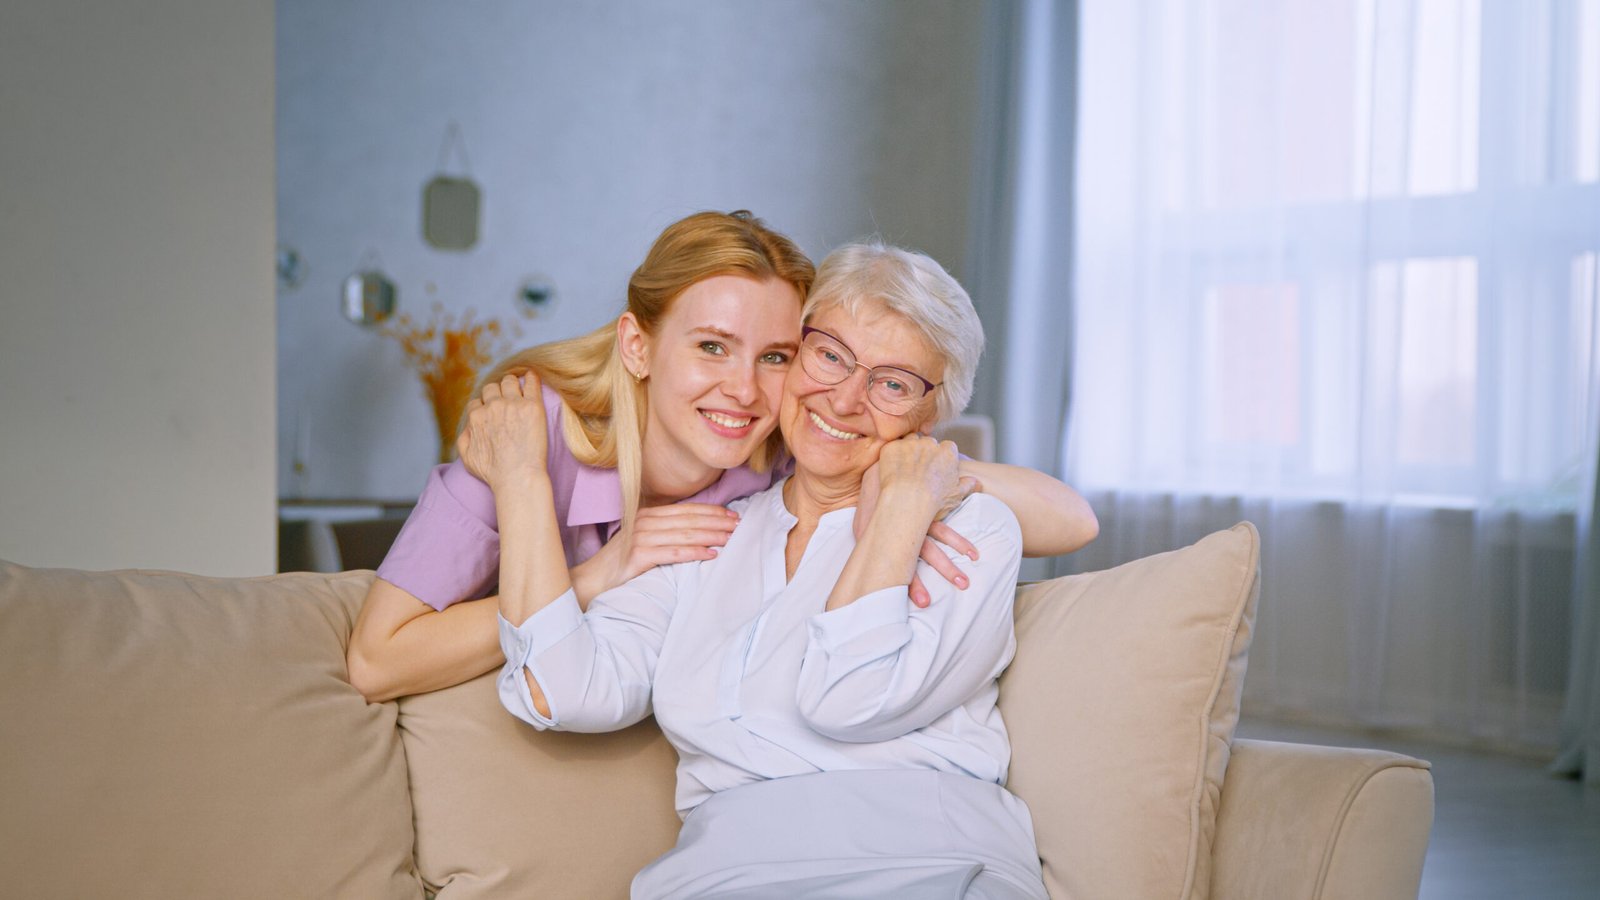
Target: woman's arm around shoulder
pixel 1055 518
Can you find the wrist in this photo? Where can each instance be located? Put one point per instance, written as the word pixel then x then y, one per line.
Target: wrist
pixel 530 479
pixel 907 501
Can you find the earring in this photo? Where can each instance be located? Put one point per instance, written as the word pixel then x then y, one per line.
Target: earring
pixel 637 378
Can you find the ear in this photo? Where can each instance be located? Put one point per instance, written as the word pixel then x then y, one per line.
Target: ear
pixel 633 345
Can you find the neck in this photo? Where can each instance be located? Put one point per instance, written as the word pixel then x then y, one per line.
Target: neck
pixel 666 477
pixel 809 497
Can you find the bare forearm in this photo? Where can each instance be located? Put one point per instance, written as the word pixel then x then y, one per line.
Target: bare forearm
pixel 1055 518
pixel 886 553
pixel 390 658
pixel 533 565
pixel 589 580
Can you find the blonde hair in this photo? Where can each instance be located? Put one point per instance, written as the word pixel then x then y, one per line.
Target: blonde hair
pixel 873 275
pixel 603 423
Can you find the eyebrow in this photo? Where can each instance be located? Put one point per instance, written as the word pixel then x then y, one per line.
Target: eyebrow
pixel 732 338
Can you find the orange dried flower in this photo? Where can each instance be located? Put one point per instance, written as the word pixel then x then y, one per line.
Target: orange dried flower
pixel 448 354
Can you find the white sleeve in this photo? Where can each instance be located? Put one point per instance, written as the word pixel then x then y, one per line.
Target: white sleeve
pixel 595 668
pixel 878 669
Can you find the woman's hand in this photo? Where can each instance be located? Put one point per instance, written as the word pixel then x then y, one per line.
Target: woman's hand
pixel 661 535
pixel 938 531
pixel 505 433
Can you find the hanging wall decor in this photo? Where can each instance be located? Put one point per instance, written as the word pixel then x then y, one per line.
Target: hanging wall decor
pixel 450 203
pixel 368 296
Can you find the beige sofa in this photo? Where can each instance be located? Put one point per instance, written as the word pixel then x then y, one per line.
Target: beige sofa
pixel 173 736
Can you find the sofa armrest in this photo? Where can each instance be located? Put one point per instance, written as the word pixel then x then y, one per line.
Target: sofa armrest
pixel 1321 823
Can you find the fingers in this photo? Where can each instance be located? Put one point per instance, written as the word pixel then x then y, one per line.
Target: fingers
pixel 948 536
pixel 681 532
pixel 643 559
pixel 698 537
pixel 523 384
pixel 920 598
pixel 713 518
pixel 679 510
pixel 944 565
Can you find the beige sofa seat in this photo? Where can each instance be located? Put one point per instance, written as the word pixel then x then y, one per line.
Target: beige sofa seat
pixel 168 735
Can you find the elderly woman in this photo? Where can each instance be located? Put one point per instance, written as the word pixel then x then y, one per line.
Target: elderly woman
pixel 833 740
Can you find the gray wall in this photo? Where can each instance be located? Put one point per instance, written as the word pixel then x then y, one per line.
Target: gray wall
pixel 589 128
pixel 136 339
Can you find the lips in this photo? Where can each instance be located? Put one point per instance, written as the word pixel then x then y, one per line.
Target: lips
pixel 829 430
pixel 727 424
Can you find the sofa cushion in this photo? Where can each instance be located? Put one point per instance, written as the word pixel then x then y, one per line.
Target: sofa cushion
pixel 1121 704
pixel 170 735
pixel 504 810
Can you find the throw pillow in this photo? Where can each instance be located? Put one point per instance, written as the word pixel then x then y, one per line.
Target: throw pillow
pixel 1121 704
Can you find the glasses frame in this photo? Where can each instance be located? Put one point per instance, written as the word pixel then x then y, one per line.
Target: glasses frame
pixel 855 363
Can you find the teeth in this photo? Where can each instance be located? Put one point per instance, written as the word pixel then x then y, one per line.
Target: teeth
pixel 726 421
pixel 830 430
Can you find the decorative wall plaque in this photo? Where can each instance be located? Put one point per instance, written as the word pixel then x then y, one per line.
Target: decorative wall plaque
pixel 451 203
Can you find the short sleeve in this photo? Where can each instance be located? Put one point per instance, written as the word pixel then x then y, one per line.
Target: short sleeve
pixel 448 550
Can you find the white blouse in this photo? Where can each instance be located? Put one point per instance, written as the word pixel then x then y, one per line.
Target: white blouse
pixel 751 679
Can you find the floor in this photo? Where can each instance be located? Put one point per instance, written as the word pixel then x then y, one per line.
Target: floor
pixel 1503 829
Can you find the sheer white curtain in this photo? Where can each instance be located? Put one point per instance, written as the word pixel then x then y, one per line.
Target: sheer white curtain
pixel 1336 273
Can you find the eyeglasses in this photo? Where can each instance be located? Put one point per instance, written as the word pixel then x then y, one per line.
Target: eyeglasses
pixel 892 390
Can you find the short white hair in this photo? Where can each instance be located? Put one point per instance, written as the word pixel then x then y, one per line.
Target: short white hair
pixel 871 275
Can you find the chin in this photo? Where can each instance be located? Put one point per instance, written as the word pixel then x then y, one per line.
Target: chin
pixel 725 457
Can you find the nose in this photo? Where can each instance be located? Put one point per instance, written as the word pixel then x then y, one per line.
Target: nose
pixel 741 385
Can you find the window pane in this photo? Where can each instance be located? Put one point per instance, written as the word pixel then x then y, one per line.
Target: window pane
pixel 1282 70
pixel 1253 343
pixel 1581 330
pixel 1444 98
pixel 1586 96
pixel 1438 363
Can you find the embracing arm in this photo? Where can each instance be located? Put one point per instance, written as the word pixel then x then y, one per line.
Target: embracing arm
pixel 402 646
pixel 413 633
pixel 563 668
pixel 1055 518
pixel 874 668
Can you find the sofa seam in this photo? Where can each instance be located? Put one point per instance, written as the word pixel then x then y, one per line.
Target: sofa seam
pixel 1353 792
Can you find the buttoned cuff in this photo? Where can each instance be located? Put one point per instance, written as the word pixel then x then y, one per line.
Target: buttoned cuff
pixel 870 627
pixel 522 646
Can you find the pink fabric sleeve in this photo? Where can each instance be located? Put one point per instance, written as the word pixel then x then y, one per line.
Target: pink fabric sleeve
pixel 449 548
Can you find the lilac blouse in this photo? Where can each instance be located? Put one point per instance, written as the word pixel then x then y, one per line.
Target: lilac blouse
pixel 449 548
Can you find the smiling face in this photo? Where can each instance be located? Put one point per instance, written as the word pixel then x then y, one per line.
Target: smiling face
pixel 716 367
pixel 832 429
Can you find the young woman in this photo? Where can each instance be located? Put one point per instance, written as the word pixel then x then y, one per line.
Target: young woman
pixel 653 422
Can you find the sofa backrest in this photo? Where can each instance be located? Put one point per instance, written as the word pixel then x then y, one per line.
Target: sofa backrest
pixel 166 735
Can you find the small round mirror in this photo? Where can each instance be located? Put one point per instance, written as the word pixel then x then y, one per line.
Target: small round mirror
pixel 368 297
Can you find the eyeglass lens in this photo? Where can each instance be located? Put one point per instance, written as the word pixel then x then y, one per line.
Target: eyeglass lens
pixel 891 390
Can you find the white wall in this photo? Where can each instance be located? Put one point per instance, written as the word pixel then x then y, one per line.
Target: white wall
pixel 136 230
pixel 589 128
